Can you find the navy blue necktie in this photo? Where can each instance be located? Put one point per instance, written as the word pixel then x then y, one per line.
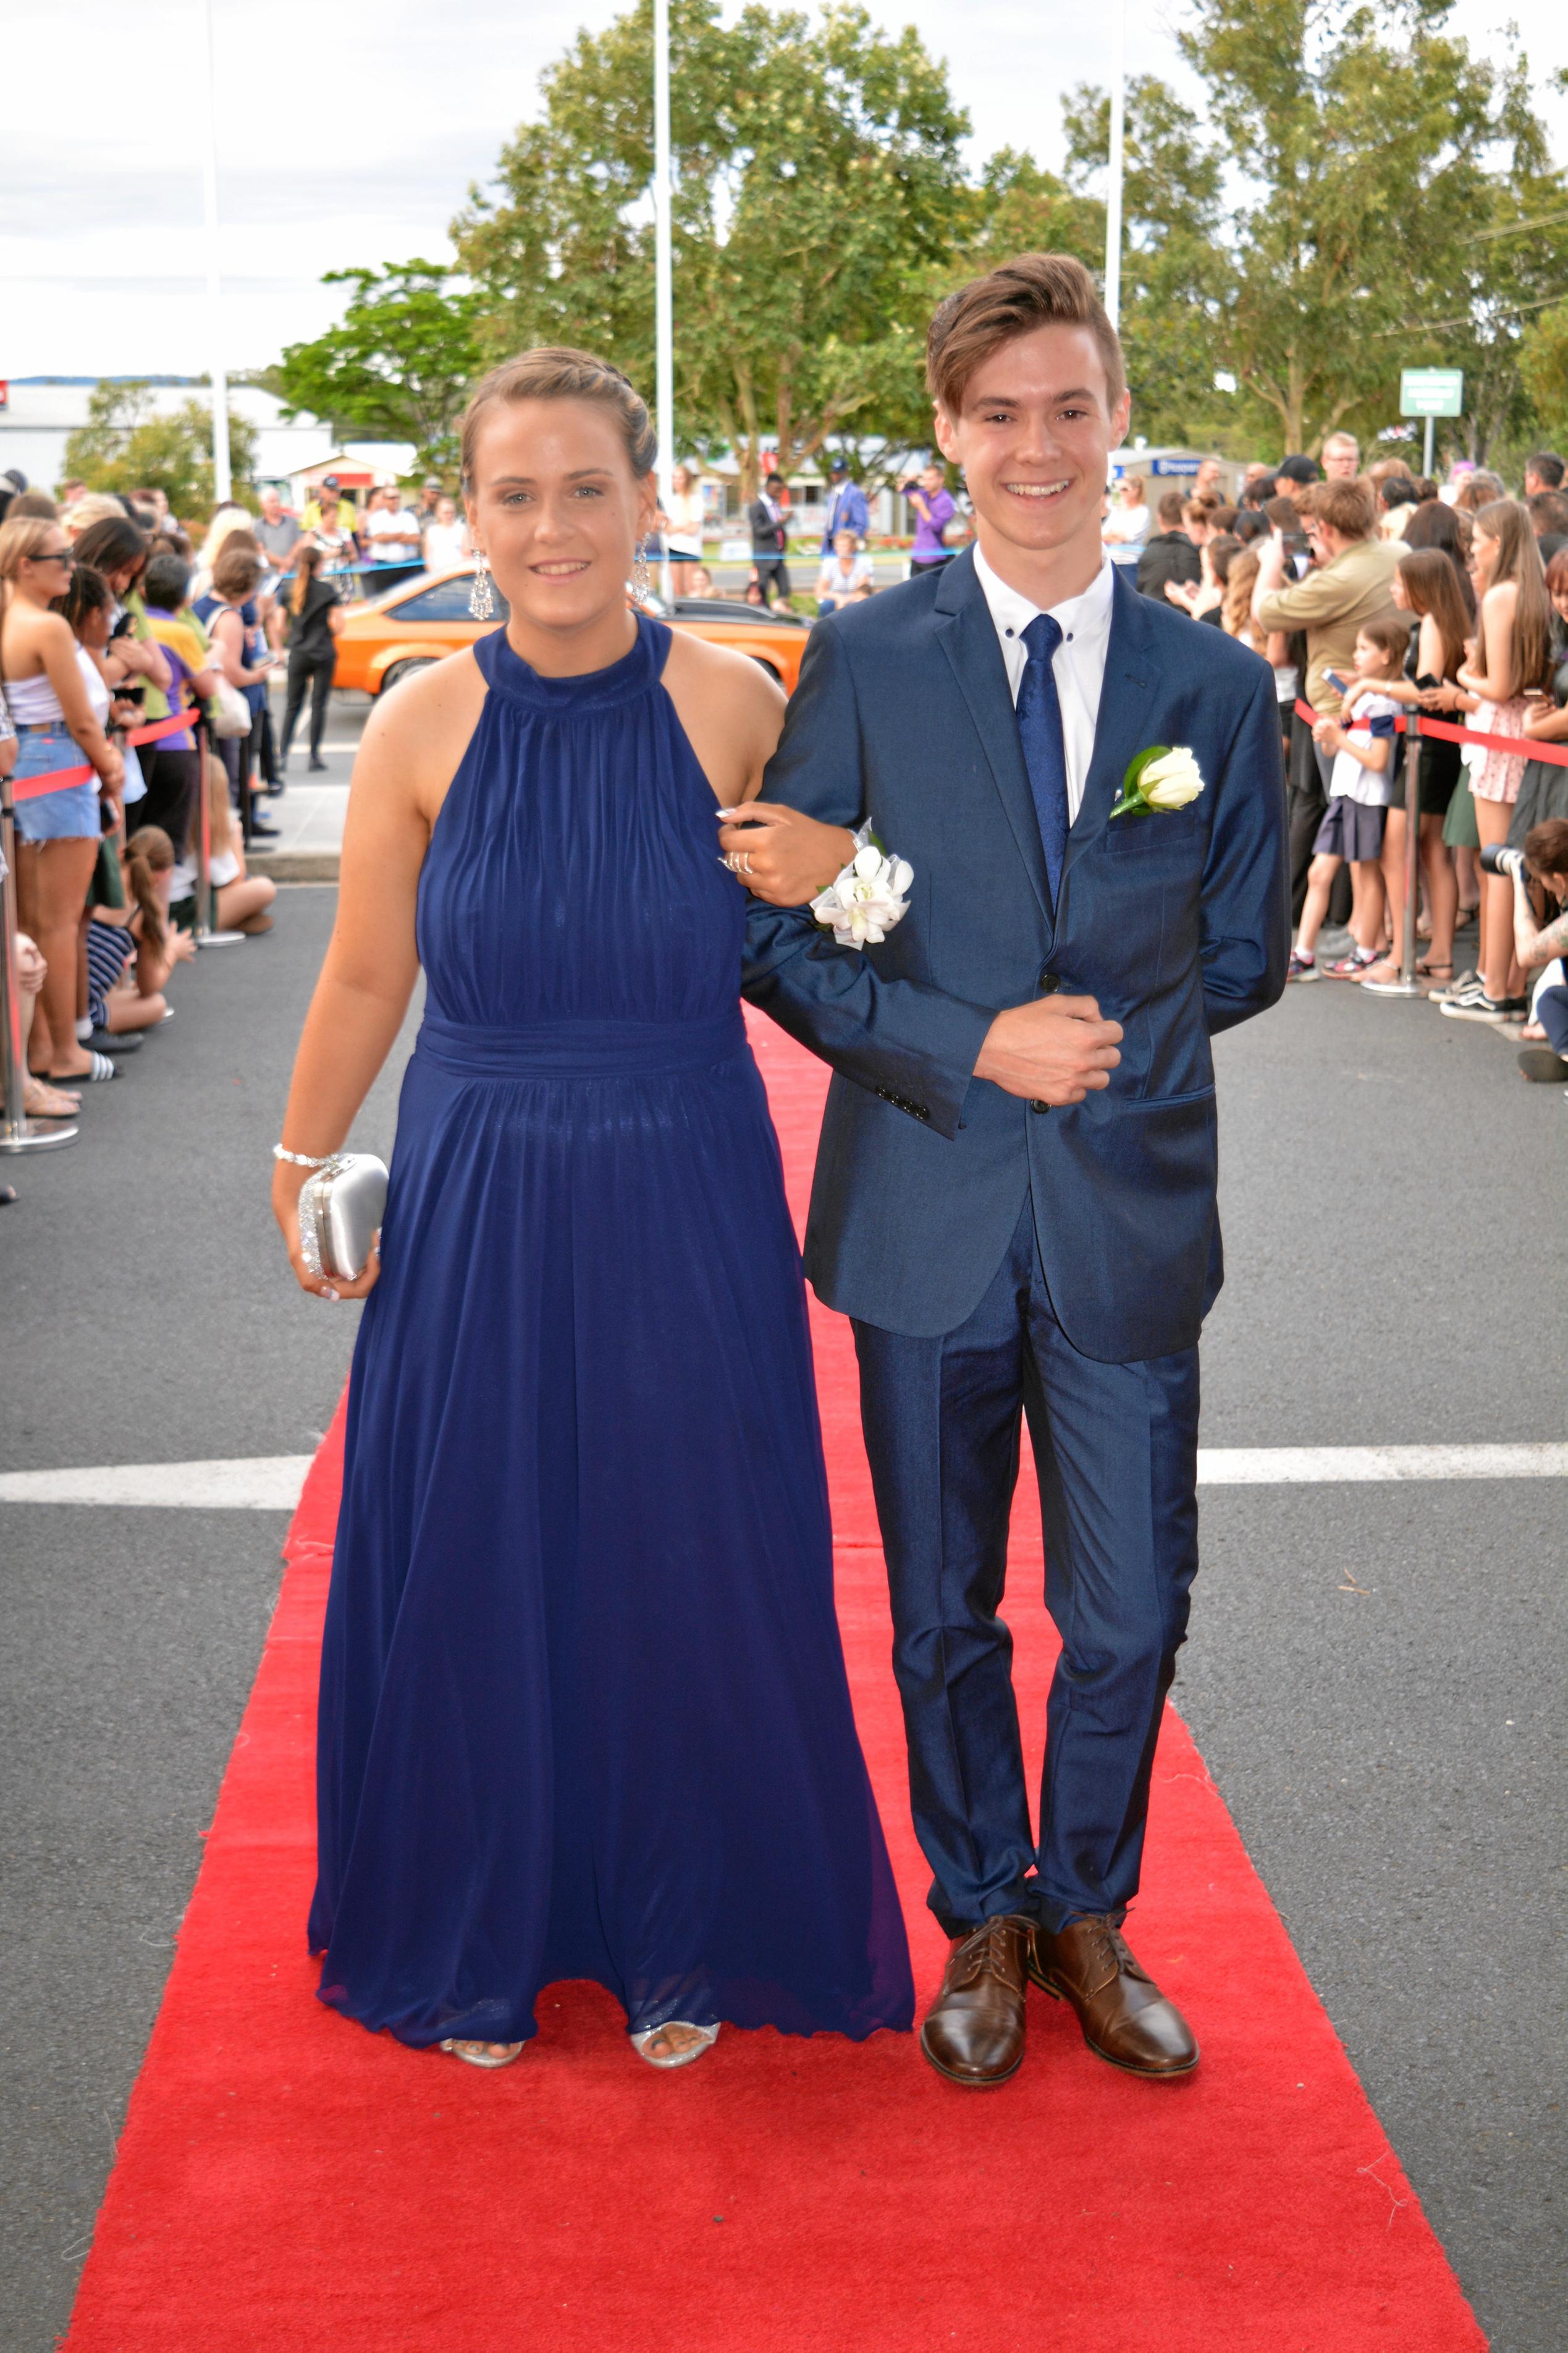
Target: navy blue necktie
pixel 1040 734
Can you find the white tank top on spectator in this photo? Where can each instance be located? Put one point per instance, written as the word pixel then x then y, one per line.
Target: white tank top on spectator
pixel 685 512
pixel 222 867
pixel 33 701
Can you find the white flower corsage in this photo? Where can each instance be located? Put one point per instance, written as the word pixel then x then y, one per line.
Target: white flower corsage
pixel 1161 777
pixel 867 897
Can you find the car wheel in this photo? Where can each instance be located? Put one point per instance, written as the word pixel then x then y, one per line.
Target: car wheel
pixel 768 666
pixel 400 670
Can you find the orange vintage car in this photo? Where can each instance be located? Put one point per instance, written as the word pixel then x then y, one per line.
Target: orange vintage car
pixel 423 619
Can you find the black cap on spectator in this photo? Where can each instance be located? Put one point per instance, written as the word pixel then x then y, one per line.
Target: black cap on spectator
pixel 1299 470
pixel 17 479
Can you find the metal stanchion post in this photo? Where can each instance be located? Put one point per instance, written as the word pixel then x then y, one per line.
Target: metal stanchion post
pixel 17 1132
pixel 204 931
pixel 1407 984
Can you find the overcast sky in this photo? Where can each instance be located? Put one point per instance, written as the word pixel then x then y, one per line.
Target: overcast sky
pixel 349 130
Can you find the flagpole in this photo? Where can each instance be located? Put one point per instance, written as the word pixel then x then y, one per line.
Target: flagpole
pixel 1118 149
pixel 223 484
pixel 664 285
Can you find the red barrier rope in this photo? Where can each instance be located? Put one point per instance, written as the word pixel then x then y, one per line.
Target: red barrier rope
pixel 55 780
pixel 1518 748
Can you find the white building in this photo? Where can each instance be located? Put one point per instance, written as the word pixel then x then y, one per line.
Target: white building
pixel 38 414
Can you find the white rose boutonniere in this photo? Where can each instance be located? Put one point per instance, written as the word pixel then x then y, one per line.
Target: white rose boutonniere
pixel 1161 777
pixel 866 898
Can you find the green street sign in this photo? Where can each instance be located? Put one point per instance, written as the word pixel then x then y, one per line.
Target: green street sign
pixel 1431 392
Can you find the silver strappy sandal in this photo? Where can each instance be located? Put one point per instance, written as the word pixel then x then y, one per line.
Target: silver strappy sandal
pixel 475 2055
pixel 641 2039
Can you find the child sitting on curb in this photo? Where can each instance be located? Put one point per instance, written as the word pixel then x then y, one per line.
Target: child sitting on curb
pixel 144 935
pixel 1360 787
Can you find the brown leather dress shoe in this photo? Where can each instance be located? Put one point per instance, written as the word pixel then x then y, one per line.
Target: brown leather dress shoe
pixel 974 2031
pixel 1124 2016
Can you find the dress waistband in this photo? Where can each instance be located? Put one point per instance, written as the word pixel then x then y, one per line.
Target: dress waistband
pixel 580 1050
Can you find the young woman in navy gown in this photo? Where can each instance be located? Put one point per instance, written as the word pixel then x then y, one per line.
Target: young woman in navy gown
pixel 583 1711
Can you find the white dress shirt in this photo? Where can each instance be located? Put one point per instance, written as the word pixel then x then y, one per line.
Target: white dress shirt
pixel 1077 665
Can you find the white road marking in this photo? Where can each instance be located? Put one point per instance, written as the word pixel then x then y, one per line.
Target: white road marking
pixel 1267 1466
pixel 272 1482
pixel 255 1483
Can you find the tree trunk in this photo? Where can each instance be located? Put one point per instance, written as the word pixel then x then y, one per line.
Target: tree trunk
pixel 1295 402
pixel 745 442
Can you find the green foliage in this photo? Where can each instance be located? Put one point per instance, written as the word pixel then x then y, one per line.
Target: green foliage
pixel 400 365
pixel 1543 367
pixel 124 446
pixel 1366 138
pixel 1363 194
pixel 818 179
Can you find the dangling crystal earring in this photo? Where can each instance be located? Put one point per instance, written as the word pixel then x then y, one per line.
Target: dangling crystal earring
pixel 482 598
pixel 642 579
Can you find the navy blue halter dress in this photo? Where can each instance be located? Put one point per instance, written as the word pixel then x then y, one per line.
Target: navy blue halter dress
pixel 583 1711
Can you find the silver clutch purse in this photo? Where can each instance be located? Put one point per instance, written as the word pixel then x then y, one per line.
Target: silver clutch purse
pixel 340 1209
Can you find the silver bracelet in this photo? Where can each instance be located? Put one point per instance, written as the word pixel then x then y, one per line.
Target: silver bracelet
pixel 303 1159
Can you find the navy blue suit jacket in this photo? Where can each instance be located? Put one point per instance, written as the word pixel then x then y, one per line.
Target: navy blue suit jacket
pixel 1177 922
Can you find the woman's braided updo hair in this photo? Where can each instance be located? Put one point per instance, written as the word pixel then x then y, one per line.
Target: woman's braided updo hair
pixel 557 372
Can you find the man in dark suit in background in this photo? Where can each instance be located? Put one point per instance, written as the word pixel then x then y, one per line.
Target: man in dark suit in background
pixel 770 539
pixel 1170 555
pixel 1015 1192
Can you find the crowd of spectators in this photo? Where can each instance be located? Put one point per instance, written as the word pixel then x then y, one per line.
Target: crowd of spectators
pixel 99 636
pixel 1377 596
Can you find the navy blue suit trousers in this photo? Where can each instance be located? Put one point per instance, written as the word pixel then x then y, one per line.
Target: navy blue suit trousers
pixel 1115 1449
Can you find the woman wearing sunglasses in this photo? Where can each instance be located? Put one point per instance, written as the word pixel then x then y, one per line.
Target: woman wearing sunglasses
pixel 57 833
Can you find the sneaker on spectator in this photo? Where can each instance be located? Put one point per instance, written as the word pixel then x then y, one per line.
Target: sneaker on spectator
pixel 1302 967
pixel 1460 985
pixel 1476 1006
pixel 1350 966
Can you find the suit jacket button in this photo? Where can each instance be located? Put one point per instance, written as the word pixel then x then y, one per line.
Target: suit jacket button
pixel 1050 984
pixel 1039 1106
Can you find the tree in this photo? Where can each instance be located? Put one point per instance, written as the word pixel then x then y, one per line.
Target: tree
pixel 125 445
pixel 1364 141
pixel 400 365
pixel 818 177
pixel 1498 321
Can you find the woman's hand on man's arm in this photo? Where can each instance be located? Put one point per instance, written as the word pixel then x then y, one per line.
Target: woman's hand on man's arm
pixel 780 853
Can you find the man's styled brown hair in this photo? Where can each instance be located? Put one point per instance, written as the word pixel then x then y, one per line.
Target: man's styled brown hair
pixel 1345 507
pixel 1038 290
pixel 1170 510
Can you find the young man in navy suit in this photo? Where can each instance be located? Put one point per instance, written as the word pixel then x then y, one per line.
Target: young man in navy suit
pixel 1015 1192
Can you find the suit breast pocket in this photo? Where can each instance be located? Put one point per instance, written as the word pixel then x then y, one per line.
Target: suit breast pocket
pixel 1179 831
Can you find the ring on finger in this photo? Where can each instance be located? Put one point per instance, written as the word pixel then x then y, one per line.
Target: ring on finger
pixel 745 861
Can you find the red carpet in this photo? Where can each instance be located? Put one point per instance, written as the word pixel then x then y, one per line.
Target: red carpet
pixel 286 2179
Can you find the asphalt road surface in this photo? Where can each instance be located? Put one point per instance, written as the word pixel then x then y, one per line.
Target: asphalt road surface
pixel 1372 1673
